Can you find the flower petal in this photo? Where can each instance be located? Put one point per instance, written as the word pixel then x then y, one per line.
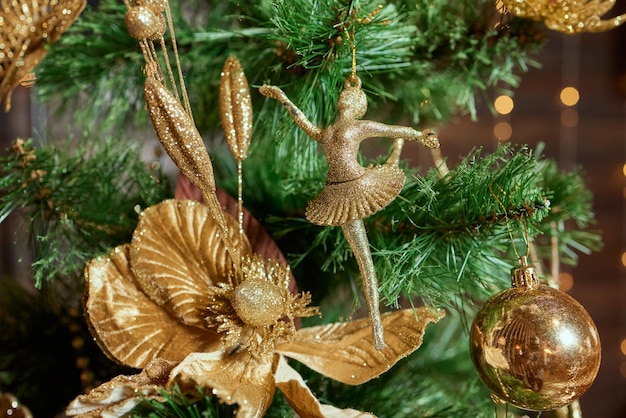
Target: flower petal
pixel 237 378
pixel 177 254
pixel 302 399
pixel 122 393
pixel 345 351
pixel 129 327
pixel 260 240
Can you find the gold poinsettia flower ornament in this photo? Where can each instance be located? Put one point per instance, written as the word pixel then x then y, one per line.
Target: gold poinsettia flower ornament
pixel 172 304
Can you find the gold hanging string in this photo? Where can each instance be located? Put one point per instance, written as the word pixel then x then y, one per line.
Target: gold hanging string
pixel 169 70
pixel 350 36
pixel 170 24
pixel 351 42
pixel 508 226
pixel 157 71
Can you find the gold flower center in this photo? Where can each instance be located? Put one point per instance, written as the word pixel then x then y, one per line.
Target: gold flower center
pixel 258 302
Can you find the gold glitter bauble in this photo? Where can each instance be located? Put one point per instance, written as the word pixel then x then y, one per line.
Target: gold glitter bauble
pixel 157 6
pixel 235 108
pixel 535 347
pixel 258 302
pixel 143 23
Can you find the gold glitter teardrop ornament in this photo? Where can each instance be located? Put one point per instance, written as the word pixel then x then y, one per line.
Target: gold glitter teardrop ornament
pixel 179 136
pixel 534 347
pixel 26 28
pixel 235 108
pixel 183 143
pixel 567 16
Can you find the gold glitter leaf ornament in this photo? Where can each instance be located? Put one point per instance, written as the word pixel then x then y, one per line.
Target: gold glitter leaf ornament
pixel 567 16
pixel 179 136
pixel 123 393
pixel 235 108
pixel 185 146
pixel 167 300
pixel 25 30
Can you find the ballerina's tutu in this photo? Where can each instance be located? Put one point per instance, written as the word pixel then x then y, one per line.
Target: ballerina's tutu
pixel 341 203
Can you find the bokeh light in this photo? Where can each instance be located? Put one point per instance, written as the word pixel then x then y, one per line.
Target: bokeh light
pixel 569 96
pixel 503 105
pixel 502 131
pixel 569 118
pixel 566 281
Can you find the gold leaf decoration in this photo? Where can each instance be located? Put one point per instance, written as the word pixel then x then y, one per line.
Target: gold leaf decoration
pixel 172 298
pixel 302 399
pixel 177 254
pixel 346 352
pixel 235 108
pixel 128 326
pixel 235 378
pixel 567 16
pixel 27 28
pixel 260 241
pixel 121 394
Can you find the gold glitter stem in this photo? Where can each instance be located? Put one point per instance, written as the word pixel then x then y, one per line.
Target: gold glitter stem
pixel 240 196
pixel 215 208
pixel 356 235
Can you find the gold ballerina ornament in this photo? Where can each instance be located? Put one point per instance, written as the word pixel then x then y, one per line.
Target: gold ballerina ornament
pixel 353 192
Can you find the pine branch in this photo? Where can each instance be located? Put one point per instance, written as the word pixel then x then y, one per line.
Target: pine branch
pixel 77 203
pixel 443 239
pixel 429 60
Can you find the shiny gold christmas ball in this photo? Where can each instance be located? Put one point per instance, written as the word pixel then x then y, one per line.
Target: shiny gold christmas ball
pixel 534 347
pixel 143 23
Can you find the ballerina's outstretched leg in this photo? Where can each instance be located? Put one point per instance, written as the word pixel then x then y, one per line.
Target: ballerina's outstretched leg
pixel 356 235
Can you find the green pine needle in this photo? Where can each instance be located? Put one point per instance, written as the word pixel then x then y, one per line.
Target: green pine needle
pixel 79 201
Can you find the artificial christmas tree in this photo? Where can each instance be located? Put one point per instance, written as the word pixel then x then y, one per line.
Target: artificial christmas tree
pixel 443 243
